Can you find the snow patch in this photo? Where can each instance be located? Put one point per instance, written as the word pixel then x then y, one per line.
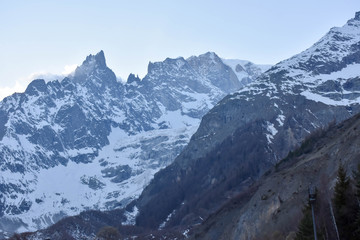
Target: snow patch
pixel 328 101
pixel 280 119
pixel 272 131
pixel 131 216
pixel 162 225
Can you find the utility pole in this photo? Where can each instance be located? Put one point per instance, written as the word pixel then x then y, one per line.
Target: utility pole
pixel 312 198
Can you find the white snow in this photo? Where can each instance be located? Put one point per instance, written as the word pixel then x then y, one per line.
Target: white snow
pixel 272 131
pixel 258 68
pixel 280 119
pixel 162 225
pixel 319 98
pixel 186 233
pixel 50 187
pixel 131 216
pixel 350 71
pixel 177 120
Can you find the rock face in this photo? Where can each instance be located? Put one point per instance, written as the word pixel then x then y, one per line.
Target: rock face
pixel 92 142
pixel 251 130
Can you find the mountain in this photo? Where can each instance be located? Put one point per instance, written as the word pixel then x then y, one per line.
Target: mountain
pixel 266 210
pixel 272 208
pixel 246 71
pixel 250 131
pixel 240 140
pixel 92 142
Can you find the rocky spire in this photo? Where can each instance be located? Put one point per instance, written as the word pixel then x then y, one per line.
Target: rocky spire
pixel 94 65
pixel 98 60
pixel 357 15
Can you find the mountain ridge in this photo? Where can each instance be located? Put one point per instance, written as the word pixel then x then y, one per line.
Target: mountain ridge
pixel 279 109
pixel 103 137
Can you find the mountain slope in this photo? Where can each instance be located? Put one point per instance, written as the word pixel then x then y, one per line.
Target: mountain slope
pixel 251 130
pixel 274 204
pixel 92 142
pixel 270 209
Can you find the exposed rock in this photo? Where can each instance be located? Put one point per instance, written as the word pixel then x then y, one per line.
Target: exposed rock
pixel 251 130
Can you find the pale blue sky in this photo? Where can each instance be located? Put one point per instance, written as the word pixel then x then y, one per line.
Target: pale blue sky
pixel 45 36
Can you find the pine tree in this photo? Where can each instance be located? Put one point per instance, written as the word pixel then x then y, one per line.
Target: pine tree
pixel 357 226
pixel 344 205
pixel 305 229
pixel 356 176
pixel 341 188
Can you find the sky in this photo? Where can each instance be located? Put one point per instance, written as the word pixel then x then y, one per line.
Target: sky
pixel 50 38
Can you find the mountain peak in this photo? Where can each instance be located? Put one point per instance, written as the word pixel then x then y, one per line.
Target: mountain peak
pixel 91 63
pixel 357 16
pixel 132 78
pixel 98 59
pixel 94 64
pixel 37 85
pixel 168 63
pixel 208 55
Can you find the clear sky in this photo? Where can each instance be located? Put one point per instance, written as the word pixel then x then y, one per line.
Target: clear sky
pixel 43 36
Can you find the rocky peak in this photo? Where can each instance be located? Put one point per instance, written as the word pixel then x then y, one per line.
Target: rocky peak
pixel 210 66
pixel 357 15
pixel 211 56
pixel 132 78
pixel 174 61
pixel 170 64
pixel 332 53
pixel 97 59
pixel 37 85
pixel 92 68
pixel 209 59
pixel 91 63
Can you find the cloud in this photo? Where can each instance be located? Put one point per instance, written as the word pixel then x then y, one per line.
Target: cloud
pixel 21 84
pixel 69 69
pixel 45 75
pixel 6 91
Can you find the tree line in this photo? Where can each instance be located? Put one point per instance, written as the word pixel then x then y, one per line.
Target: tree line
pixel 339 217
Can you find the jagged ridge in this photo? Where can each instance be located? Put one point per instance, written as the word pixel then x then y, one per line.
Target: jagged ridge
pixel 104 139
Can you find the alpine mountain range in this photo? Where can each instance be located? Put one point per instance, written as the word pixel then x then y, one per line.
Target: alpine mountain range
pixel 204 129
pixel 90 141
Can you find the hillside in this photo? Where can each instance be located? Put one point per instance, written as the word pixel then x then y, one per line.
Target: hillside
pixel 274 203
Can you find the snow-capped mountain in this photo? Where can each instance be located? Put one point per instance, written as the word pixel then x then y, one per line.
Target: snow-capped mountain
pixel 246 71
pixel 253 129
pixel 92 142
